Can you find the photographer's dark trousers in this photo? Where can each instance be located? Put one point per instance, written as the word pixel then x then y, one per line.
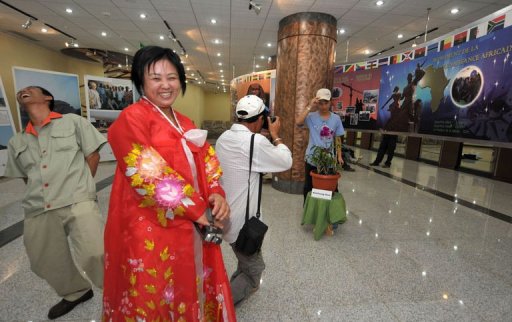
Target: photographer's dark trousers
pixel 246 279
pixel 308 180
pixel 387 145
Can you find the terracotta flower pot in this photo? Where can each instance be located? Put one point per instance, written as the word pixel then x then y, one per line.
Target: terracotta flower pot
pixel 325 182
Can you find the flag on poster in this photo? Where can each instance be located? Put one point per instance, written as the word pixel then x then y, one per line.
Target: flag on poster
pixel 478 31
pixel 349 68
pixel 372 64
pixel 446 43
pixel 433 48
pixel 460 38
pixel 395 59
pixel 407 56
pixel 420 52
pixel 361 66
pixel 496 24
pixel 508 19
pixel 384 61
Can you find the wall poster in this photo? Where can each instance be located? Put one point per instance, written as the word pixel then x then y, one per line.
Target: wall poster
pixel 7 128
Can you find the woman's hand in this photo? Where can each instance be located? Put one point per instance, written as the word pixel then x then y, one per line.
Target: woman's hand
pixel 220 207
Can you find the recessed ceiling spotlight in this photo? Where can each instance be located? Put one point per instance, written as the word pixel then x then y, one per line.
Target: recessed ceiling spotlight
pixel 44 30
pixel 366 51
pixel 400 36
pixel 213 21
pixel 379 3
pixel 192 74
pixel 262 57
pixel 104 34
pixel 222 71
pixel 162 37
pixel 219 54
pixel 188 68
pixel 69 10
pixel 75 45
pixel 413 45
pixel 126 49
pixel 257 66
pixel 269 44
pixel 220 64
pixel 454 11
pixel 342 31
pixel 216 41
pixel 142 16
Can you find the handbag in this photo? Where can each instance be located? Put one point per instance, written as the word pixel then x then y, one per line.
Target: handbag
pixel 250 237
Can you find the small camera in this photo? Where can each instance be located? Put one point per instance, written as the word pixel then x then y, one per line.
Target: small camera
pixel 211 234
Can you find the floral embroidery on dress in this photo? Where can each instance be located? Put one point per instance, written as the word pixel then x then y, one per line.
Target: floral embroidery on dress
pixel 213 169
pixel 160 185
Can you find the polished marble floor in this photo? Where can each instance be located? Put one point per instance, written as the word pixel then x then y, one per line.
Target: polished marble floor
pixel 421 243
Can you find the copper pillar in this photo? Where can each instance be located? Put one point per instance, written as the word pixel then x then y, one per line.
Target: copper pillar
pixel 305 63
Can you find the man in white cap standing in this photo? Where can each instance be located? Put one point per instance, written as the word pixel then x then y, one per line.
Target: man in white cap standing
pixel 324 128
pixel 233 150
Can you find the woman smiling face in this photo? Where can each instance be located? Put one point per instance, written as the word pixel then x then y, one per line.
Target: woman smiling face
pixel 162 83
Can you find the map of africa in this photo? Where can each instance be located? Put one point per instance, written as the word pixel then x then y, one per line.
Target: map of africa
pixel 435 80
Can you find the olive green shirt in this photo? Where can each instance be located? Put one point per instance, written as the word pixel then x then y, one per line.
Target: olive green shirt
pixel 53 162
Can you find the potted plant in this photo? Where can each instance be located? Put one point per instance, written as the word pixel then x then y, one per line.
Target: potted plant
pixel 327 168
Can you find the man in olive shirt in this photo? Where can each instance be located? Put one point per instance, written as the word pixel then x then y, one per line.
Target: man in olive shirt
pixel 57 157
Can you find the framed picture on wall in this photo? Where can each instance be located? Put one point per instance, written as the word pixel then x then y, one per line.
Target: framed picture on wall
pixel 7 128
pixel 64 88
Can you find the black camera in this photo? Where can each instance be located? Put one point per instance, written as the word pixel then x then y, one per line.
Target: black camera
pixel 210 233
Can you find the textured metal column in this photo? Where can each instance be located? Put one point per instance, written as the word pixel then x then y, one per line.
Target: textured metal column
pixel 305 63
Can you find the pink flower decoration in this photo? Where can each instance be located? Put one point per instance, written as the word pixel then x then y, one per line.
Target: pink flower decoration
pixel 169 192
pixel 326 132
pixel 150 164
pixel 168 294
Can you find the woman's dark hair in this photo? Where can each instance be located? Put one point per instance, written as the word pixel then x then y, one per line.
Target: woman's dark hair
pixel 145 57
pixel 47 93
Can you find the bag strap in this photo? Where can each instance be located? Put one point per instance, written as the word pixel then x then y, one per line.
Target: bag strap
pixel 258 213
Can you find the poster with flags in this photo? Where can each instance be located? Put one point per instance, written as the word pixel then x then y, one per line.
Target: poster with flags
pixel 384 61
pixel 395 59
pixel 446 43
pixel 432 48
pixel 420 52
pixel 407 56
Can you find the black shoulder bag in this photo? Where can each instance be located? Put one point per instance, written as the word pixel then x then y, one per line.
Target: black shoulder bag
pixel 251 235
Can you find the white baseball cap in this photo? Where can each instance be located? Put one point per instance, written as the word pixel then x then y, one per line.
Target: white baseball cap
pixel 249 106
pixel 323 94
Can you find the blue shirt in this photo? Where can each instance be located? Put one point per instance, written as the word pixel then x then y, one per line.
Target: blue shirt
pixel 322 131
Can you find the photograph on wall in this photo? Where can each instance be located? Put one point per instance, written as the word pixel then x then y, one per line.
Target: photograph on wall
pixel 464 91
pixel 354 92
pixel 105 98
pixel 260 84
pixel 63 87
pixel 7 128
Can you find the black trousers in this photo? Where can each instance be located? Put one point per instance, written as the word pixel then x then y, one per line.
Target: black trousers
pixel 387 145
pixel 308 180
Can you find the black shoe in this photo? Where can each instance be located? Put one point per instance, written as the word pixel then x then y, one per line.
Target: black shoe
pixel 386 165
pixel 349 168
pixel 64 307
pixel 374 164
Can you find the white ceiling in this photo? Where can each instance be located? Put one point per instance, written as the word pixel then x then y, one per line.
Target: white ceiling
pixel 243 34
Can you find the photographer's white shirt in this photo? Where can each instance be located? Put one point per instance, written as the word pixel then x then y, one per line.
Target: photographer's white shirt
pixel 232 149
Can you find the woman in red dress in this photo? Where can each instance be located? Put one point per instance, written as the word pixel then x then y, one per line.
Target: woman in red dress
pixel 157 266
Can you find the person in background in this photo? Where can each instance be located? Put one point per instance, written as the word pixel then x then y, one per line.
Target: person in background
pixel 159 265
pixel 324 128
pixel 57 157
pixel 233 148
pixel 387 146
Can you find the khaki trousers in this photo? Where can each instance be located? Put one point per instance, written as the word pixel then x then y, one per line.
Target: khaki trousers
pixel 48 248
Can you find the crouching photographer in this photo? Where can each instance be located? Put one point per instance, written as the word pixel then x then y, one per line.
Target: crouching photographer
pixel 244 154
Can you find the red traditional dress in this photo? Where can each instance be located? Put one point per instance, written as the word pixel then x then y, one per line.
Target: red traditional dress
pixel 157 268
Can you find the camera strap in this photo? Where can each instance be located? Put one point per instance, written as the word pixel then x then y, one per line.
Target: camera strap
pixel 258 213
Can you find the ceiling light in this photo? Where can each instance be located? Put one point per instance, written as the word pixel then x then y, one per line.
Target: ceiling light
pixel 162 37
pixel 104 34
pixel 44 30
pixel 27 24
pixel 414 45
pixel 262 57
pixel 218 54
pixel 216 41
pixel 75 45
pixel 269 45
pixel 222 71
pixel 454 11
pixel 188 68
pixel 257 66
pixel 213 21
pixel 220 64
pixel 379 3
pixel 126 49
pixel 400 36
pixel 142 16
pixel 254 6
pixel 366 51
pixel 69 10
pixel 342 31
